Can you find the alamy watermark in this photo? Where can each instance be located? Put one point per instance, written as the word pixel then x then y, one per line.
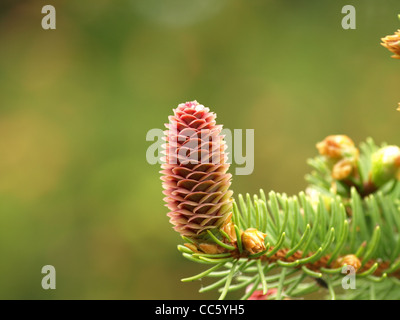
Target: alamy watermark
pixel 49 20
pixel 49 280
pixel 349 280
pixel 349 20
pixel 203 148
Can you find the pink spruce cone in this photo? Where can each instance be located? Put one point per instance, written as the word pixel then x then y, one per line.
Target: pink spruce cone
pixel 258 294
pixel 195 181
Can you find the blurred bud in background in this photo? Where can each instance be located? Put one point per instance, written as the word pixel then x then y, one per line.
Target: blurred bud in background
pixel 385 165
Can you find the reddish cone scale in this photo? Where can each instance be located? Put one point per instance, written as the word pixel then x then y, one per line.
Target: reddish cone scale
pixel 195 178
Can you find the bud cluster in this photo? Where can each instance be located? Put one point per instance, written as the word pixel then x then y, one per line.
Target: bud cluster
pixel 341 155
pixel 385 165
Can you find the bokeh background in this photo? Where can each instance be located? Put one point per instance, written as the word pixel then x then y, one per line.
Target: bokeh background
pixel 76 191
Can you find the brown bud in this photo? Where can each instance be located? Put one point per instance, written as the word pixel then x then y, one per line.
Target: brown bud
pixel 337 146
pixel 229 228
pixel 192 247
pixel 211 248
pixel 350 260
pixel 253 240
pixel 342 169
pixel 340 154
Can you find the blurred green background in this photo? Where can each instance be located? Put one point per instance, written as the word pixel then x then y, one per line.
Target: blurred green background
pixel 76 103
